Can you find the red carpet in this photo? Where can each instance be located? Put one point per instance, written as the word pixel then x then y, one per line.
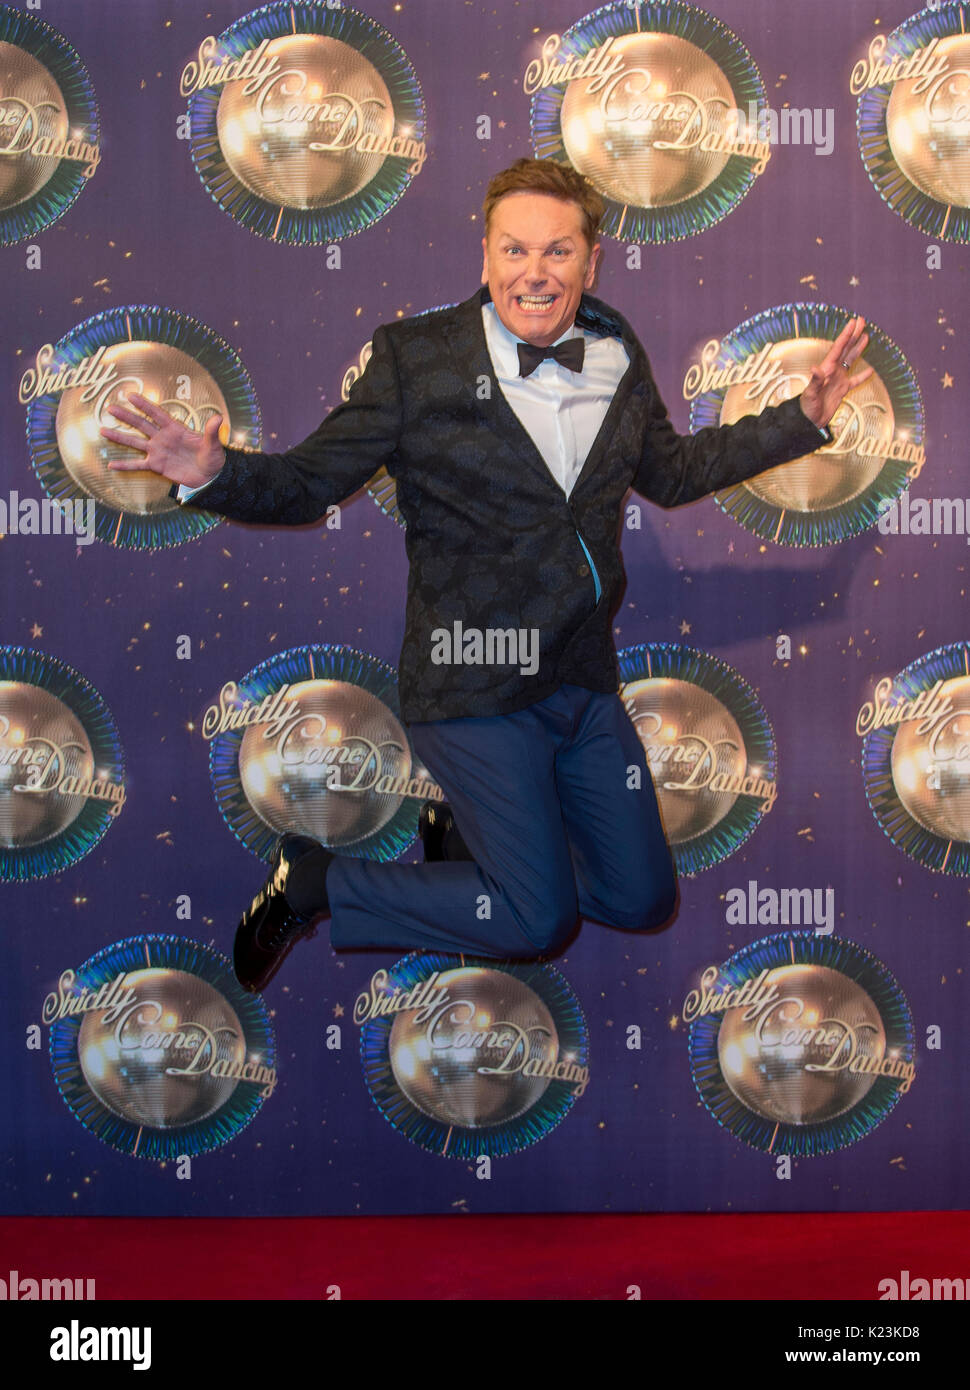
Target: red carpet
pixel 814 1256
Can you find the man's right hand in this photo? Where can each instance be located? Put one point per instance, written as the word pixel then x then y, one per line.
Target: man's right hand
pixel 165 445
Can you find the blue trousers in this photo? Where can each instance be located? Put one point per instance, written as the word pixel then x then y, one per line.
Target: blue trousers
pixel 557 806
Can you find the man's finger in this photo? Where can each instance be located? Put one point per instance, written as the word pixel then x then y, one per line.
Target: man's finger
pixel 856 350
pixel 859 337
pixel 129 417
pixel 849 334
pixel 843 338
pixel 149 408
pixel 129 441
pixel 848 345
pixel 128 466
pixel 835 354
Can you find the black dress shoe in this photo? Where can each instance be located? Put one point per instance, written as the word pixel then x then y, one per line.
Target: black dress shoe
pixel 271 927
pixel 440 835
pixel 432 822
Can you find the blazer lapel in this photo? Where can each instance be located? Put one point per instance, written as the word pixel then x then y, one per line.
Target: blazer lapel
pixel 587 317
pixel 471 353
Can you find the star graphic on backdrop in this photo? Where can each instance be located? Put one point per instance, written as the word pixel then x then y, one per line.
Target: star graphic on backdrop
pixel 685 627
pixel 853 280
pixel 36 630
pixel 338 1010
pixel 947 380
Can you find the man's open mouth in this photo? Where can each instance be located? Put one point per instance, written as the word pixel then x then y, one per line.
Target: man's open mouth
pixel 534 303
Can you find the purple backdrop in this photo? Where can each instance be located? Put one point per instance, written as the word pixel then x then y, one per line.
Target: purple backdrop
pixel 146 231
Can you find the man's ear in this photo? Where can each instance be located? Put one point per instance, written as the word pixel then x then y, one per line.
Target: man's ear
pixel 484 261
pixel 592 266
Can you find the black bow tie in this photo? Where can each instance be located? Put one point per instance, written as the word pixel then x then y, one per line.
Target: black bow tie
pixel 568 354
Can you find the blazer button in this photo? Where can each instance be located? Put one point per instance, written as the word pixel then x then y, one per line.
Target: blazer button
pixel 583 569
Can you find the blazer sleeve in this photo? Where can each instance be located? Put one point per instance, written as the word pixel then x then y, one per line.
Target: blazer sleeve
pixel 676 468
pixel 337 459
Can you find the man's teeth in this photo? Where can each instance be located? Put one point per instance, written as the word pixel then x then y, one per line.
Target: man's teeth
pixel 536 301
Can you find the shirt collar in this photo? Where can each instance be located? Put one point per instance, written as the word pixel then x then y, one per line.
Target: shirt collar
pixel 502 343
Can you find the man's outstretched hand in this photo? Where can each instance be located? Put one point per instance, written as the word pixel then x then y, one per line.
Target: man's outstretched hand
pixel 830 380
pixel 164 444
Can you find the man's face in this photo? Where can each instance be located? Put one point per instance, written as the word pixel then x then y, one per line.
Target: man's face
pixel 536 264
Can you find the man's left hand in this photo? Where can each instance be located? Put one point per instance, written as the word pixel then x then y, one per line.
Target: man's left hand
pixel 830 380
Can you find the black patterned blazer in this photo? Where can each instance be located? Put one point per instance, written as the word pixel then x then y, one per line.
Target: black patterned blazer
pixel 492 540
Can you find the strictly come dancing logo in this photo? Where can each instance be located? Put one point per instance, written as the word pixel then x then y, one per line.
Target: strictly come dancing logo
pixel 469 1057
pixel 916 758
pixel 658 106
pixel 878 430
pixel 173 360
pixel 800 1044
pixel 157 1049
pixel 50 142
pixel 709 748
pixel 913 109
pixel 311 743
pixel 62 778
pixel 307 121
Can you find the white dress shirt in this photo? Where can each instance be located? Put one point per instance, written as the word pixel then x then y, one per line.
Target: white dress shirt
pixel 561 410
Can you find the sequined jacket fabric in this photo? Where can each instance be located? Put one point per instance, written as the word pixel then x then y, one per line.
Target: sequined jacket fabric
pixel 492 541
